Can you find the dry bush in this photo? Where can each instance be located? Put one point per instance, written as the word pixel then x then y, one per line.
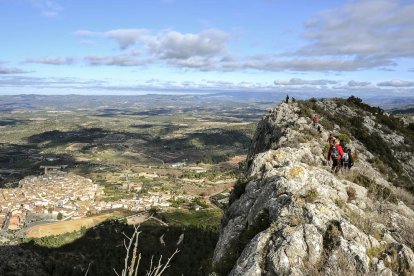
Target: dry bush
pixel 351 193
pixel 405 196
pixel 367 223
pixel 406 233
pixel 311 195
pixel 310 269
pixel 340 203
pixel 348 174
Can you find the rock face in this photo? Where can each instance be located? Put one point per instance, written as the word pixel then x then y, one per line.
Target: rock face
pixel 292 216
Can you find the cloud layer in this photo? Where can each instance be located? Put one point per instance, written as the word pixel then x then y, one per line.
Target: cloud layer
pixel 6 70
pixel 396 83
pixel 297 81
pixel 191 50
pixel 374 32
pixel 51 60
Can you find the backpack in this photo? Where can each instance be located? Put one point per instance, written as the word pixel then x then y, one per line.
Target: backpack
pixel 334 152
pixel 345 157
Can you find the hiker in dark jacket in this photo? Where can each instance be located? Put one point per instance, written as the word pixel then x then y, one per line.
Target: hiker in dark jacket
pixel 330 139
pixel 335 154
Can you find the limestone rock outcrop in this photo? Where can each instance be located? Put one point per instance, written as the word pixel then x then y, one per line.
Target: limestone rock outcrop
pixel 293 216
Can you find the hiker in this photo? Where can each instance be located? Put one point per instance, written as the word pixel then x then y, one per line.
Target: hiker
pixel 335 154
pixel 330 139
pixel 345 159
pixel 342 143
pixel 315 120
pixel 293 100
pixel 287 98
pixel 348 159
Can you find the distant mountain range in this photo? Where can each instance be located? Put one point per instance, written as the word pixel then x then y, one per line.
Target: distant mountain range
pixel 33 101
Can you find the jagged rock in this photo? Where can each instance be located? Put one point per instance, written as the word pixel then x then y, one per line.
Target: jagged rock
pixel 297 218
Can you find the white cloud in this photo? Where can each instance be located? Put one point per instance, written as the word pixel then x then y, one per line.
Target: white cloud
pixel 116 60
pixel 270 63
pixel 396 83
pixel 48 8
pixel 51 60
pixel 39 82
pixel 353 83
pixel 377 32
pixel 167 44
pixel 359 35
pixel 127 37
pixel 297 81
pixel 5 70
pixel 175 45
pixel 201 51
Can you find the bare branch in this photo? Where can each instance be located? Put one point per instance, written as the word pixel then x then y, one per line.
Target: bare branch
pixel 167 264
pixel 87 270
pixel 133 257
pixel 133 266
pixel 138 261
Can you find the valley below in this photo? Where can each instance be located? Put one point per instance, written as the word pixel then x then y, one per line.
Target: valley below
pixel 79 173
pixel 68 172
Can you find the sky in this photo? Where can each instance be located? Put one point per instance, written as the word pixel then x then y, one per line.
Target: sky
pixel 305 47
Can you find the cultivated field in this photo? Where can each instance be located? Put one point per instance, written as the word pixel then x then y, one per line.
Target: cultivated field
pixel 61 227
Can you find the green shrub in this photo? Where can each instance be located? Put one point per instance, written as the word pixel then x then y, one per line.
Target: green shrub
pixel 344 137
pixel 215 158
pixel 199 201
pixel 377 162
pixel 375 144
pixel 327 123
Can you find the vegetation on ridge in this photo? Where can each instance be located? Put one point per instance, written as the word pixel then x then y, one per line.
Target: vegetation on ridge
pixel 354 126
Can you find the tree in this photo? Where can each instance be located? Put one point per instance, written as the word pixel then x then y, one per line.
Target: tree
pixel 59 216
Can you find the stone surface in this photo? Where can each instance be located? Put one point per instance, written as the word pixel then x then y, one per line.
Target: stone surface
pixel 312 225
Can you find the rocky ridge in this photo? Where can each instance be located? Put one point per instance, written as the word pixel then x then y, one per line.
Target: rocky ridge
pixel 292 216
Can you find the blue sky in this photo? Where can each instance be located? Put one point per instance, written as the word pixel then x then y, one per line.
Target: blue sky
pixel 312 47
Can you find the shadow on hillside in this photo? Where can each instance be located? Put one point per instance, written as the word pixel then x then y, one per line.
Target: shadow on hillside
pixel 19 161
pixel 143 126
pixel 102 249
pixel 193 146
pixel 57 137
pixel 12 122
